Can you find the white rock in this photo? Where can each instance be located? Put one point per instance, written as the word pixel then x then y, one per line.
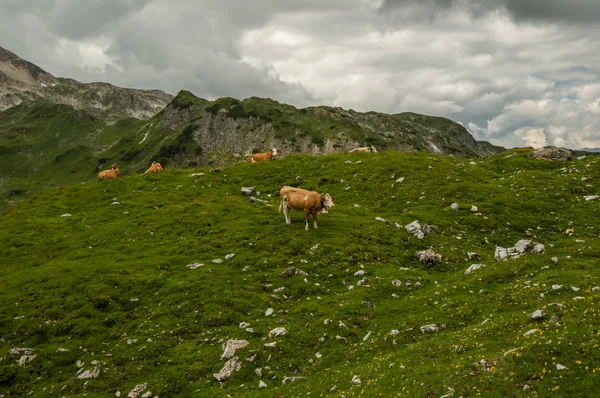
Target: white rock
pixel 288 379
pixel 530 332
pixel 327 321
pixel 21 351
pixel 474 209
pixel 278 332
pixel 243 325
pixel 554 260
pixel 414 228
pixel 89 374
pixel 590 197
pixel 271 345
pixel 233 365
pixel 25 359
pixel 575 289
pixel 429 328
pixel 561 367
pixel 147 394
pixel 137 390
pixel 557 287
pixel 400 180
pixel 342 325
pixel 360 272
pixel 269 312
pixel 194 265
pixel 596 288
pixel 538 248
pixel 115 203
pixel 355 380
pixel 455 206
pixel 229 256
pixel 62 350
pixel 379 219
pixel 523 245
pixel 262 384
pixel 473 267
pixel 131 342
pixel 501 253
pixel 248 191
pixel 397 282
pixel 318 355
pixel 196 174
pixel 65 215
pixel 538 314
pixel 394 332
pixel 217 261
pixel 231 346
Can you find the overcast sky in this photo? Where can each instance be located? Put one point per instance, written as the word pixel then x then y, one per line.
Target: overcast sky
pixel 514 72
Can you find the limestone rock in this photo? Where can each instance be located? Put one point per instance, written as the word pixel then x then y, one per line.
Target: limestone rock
pixel 429 328
pixel 473 267
pixel 231 366
pixel 137 390
pixel 278 332
pixel 551 153
pixel 428 257
pixel 231 346
pixel 538 314
pixel 248 191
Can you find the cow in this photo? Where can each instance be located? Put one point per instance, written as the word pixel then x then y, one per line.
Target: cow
pixel 259 157
pixel 364 149
pixel 154 168
pixel 111 174
pixel 310 202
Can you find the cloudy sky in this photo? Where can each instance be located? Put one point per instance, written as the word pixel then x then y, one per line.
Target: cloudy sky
pixel 514 72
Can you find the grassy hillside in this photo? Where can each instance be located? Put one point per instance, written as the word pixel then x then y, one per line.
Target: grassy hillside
pixel 109 283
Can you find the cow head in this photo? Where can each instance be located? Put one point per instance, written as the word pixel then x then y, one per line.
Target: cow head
pixel 274 153
pixel 114 166
pixel 327 200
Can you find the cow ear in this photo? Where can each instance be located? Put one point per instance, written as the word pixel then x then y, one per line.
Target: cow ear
pixel 333 199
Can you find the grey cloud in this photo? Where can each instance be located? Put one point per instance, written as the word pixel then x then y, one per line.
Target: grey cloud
pixel 572 11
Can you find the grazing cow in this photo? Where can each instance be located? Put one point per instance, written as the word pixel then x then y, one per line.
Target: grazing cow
pixel 111 174
pixel 259 157
pixel 308 201
pixel 154 168
pixel 364 149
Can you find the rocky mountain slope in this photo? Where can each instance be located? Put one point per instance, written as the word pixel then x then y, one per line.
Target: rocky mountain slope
pixel 21 81
pixel 177 285
pixel 60 131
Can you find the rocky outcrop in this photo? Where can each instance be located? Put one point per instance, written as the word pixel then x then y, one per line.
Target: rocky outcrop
pixel 551 153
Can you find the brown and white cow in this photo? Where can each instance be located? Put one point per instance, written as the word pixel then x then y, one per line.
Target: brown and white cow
pixel 364 149
pixel 260 157
pixel 310 202
pixel 111 174
pixel 154 168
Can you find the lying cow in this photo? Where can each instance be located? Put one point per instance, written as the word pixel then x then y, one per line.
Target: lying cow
pixel 111 174
pixel 259 157
pixel 308 201
pixel 364 149
pixel 154 168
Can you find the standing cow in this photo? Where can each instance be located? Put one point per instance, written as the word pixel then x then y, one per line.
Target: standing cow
pixel 259 157
pixel 111 174
pixel 308 201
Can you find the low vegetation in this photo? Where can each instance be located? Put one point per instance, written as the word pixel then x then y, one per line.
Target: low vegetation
pixel 100 269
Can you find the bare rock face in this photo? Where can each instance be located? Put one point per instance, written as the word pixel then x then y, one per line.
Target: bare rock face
pixel 552 153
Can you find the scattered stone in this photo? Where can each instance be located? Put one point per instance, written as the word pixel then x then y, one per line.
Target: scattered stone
pixel 473 267
pixel 596 288
pixel 131 341
pixel 418 284
pixel 25 359
pixel 62 350
pixel 538 314
pixel 291 271
pixel 278 332
pixel 538 248
pixel 355 379
pixel 269 312
pixel 428 257
pixel 455 206
pixel 115 203
pixel 147 394
pixel 414 228
pixel 379 219
pixel 360 272
pixel 65 215
pixel 233 365
pixel 262 384
pixel 400 180
pixel 288 379
pixel 367 336
pixel 590 197
pixel 429 328
pixel 530 332
pixel 474 209
pixel 501 253
pixel 554 260
pixel 342 325
pixel 231 346
pixel 551 153
pixel 561 367
pixel 243 325
pixel 575 289
pixel 248 191
pixel 217 261
pixel 21 351
pixel 557 287
pixel 229 256
pixel 196 174
pixel 194 265
pixel 79 364
pixel 137 390
pixel 522 246
pixel 270 345
pixel 253 199
pixel 397 282
pixel 327 322
pixel 88 374
pixel 473 255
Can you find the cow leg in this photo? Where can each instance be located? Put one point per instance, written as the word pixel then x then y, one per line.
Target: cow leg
pixel 315 219
pixel 306 217
pixel 286 210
